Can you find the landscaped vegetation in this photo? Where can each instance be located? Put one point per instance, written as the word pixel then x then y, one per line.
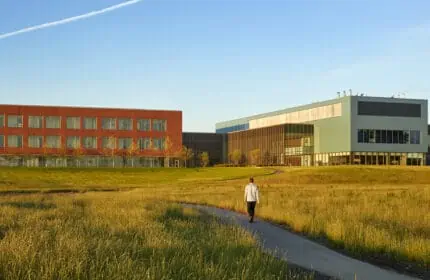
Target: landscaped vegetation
pixel 380 214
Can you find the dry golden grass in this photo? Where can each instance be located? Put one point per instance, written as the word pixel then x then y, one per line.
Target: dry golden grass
pixel 380 214
pixel 124 236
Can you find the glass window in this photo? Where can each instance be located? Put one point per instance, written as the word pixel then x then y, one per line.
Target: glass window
pixel 35 121
pixel 144 143
pixel 90 142
pixel 73 142
pixel 1 120
pixel 389 136
pixel 109 143
pixel 53 122
pixel 372 136
pixel 14 121
pixel 415 137
pixel 406 136
pixel 365 136
pixel 158 143
pixel 378 136
pixel 1 141
pixel 125 124
pixel 90 123
pixel 401 138
pixel 53 142
pixel 383 136
pixel 144 125
pixel 35 141
pixel 109 123
pixel 395 137
pixel 124 143
pixel 159 125
pixel 14 141
pixel 73 123
pixel 360 136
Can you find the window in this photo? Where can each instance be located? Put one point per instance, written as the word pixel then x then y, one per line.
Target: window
pixel 73 123
pixel 109 143
pixel 158 143
pixel 144 125
pixel 360 136
pixel 53 122
pixel 401 138
pixel 109 123
pixel 366 136
pixel 35 121
pixel 406 136
pixel 90 142
pixel 1 141
pixel 378 136
pixel 73 142
pixel 90 123
pixel 384 136
pixel 14 121
pixel 159 125
pixel 1 121
pixel 415 137
pixel 144 143
pixel 124 143
pixel 389 136
pixel 125 124
pixel 53 142
pixel 372 136
pixel 14 141
pixel 395 137
pixel 35 141
pixel 389 109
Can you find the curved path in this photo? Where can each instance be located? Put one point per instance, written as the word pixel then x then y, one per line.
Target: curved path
pixel 303 252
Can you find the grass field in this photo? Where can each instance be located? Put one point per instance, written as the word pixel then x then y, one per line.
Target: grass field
pixel 380 214
pixel 124 236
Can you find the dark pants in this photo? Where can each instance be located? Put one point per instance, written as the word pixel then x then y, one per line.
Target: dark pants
pixel 251 208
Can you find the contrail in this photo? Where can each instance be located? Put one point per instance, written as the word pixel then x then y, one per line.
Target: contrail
pixel 70 19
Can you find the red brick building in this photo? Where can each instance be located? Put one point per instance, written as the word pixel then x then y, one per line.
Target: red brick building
pixel 64 136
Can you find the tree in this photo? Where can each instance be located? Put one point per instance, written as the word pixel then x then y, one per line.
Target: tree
pixel 204 159
pixel 78 152
pixel 266 158
pixel 255 156
pixel 45 148
pixel 132 151
pixel 186 154
pixel 167 151
pixel 110 149
pixel 236 156
pixel 63 154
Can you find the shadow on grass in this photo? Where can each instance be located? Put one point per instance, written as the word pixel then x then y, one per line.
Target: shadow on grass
pixel 29 205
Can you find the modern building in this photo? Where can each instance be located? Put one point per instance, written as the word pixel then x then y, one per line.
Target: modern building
pixel 214 144
pixel 346 130
pixel 71 136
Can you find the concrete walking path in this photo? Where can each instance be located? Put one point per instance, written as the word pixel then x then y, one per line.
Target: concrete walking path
pixel 305 253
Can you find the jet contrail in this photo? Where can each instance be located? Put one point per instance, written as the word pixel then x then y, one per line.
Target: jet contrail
pixel 68 20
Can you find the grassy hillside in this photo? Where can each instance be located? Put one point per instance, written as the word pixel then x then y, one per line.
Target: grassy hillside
pixel 380 214
pixel 121 236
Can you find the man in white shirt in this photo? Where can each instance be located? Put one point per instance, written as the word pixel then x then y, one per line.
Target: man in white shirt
pixel 251 198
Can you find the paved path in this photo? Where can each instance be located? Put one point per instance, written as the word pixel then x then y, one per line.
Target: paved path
pixel 305 253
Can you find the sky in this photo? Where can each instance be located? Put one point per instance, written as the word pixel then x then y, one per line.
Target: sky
pixel 214 60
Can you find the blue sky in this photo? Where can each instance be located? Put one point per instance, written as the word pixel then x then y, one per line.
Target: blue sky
pixel 213 59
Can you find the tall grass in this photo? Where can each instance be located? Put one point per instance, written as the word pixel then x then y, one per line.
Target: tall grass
pixel 380 214
pixel 124 236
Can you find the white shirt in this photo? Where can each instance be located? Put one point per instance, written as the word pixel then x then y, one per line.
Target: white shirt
pixel 251 192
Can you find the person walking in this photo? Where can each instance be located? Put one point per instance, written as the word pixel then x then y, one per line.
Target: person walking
pixel 251 198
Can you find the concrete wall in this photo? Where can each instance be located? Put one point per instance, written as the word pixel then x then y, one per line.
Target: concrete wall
pixel 389 123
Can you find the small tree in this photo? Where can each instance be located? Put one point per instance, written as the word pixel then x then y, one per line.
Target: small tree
pixel 255 156
pixel 204 159
pixel 167 151
pixel 132 151
pixel 236 156
pixel 186 154
pixel 78 153
pixel 45 148
pixel 110 149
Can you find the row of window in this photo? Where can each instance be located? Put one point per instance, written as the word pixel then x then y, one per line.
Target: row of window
pixel 90 123
pixel 383 136
pixel 88 142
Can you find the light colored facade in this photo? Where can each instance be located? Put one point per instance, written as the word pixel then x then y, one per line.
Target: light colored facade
pixel 359 129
